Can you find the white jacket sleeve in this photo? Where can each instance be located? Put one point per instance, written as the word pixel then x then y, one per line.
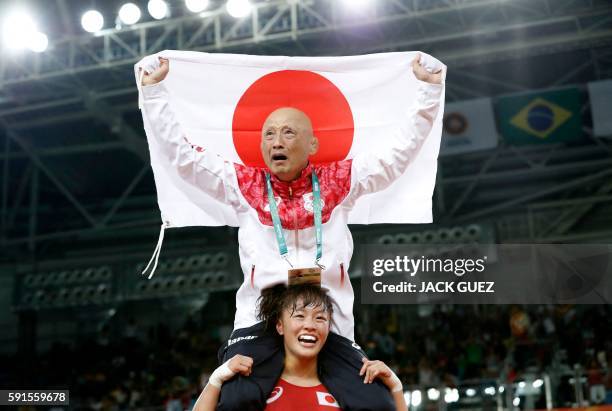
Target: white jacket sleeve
pixel 375 171
pixel 201 168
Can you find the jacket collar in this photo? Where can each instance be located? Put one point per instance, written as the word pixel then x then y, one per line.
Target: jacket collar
pixel 298 186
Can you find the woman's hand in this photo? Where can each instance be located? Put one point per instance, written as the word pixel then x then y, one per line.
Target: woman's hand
pixel 241 364
pixel 238 364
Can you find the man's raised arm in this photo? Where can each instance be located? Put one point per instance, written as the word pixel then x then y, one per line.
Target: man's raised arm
pixel 375 171
pixel 197 166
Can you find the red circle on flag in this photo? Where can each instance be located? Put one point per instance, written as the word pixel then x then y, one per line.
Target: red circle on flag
pixel 330 399
pixel 319 98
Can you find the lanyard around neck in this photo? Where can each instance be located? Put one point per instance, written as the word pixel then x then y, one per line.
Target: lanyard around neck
pixel 278 228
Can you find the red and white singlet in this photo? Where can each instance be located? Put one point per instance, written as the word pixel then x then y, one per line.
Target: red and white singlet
pixel 286 396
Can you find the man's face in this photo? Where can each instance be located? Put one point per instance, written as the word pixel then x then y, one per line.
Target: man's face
pixel 286 142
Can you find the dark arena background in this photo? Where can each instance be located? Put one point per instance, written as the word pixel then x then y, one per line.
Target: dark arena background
pixel 79 216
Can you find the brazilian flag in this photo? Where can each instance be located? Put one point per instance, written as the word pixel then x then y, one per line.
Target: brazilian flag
pixel 541 117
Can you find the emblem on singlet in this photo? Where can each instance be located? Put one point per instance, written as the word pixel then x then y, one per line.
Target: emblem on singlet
pixel 275 394
pixel 325 398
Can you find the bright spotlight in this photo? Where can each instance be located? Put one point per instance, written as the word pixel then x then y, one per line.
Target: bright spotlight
pixel 38 42
pixel 129 13
pixel 356 4
pixel 238 8
pixel 451 395
pixel 521 384
pixel 516 401
pixel 407 397
pixel 158 9
pixel 416 398
pixel 470 392
pixel 501 389
pixel 538 383
pixel 433 394
pixel 92 21
pixel 489 390
pixel 18 29
pixel 196 6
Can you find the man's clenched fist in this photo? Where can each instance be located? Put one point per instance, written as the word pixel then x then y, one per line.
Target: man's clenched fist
pixel 158 74
pixel 422 74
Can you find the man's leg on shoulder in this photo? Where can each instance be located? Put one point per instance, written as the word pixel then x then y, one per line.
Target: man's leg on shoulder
pixel 250 393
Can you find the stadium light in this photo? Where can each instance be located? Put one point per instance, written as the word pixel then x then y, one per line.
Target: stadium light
pixel 129 13
pixel 92 21
pixel 433 394
pixel 451 395
pixel 416 398
pixel 158 9
pixel 18 29
pixel 38 42
pixel 489 390
pixel 196 6
pixel 407 397
pixel 238 8
pixel 356 4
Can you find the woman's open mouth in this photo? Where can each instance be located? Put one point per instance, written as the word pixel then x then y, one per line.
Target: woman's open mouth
pixel 307 340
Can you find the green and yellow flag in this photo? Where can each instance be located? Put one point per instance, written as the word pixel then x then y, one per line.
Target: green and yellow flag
pixel 541 117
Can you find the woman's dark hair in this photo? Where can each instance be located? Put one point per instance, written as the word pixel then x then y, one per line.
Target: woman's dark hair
pixel 274 300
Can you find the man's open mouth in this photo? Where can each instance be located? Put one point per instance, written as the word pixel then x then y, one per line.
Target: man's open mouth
pixel 279 157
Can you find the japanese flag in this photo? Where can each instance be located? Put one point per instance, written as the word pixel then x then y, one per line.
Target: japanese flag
pixel 326 399
pixel 221 101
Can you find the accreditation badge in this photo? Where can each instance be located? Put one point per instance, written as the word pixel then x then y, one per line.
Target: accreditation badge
pixel 311 275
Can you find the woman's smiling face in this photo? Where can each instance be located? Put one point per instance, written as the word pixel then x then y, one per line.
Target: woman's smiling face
pixel 304 329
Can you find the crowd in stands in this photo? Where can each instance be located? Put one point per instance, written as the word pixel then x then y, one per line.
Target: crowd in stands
pixel 163 368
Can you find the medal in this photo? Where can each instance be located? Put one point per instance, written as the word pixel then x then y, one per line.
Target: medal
pixel 298 276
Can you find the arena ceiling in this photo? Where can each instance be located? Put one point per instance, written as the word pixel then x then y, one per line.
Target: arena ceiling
pixel 76 179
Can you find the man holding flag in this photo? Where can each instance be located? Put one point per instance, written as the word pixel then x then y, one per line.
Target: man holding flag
pixel 293 217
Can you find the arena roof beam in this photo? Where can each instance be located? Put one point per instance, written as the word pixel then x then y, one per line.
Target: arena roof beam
pixel 571 216
pixel 571 74
pixel 123 47
pixel 486 79
pixel 5 180
pixel 39 164
pixel 472 185
pixel 493 176
pixel 146 223
pixel 32 223
pixel 578 182
pixel 64 151
pixel 126 193
pixel 23 183
pixel 133 140
pixel 65 16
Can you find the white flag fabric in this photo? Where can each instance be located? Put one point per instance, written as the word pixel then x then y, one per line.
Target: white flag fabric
pixel 218 99
pixel 600 95
pixel 468 126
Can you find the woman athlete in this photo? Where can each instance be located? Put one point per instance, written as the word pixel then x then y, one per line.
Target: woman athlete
pixel 301 315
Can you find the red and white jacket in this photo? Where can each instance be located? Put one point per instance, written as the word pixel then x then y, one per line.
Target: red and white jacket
pixel 244 188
